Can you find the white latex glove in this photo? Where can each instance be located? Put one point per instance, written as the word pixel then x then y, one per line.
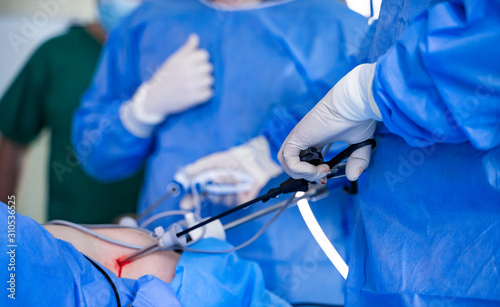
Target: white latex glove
pixel 348 114
pixel 252 158
pixel 183 81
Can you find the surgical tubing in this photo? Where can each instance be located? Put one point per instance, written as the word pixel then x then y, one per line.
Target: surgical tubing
pixel 162 215
pixel 113 226
pixel 171 191
pixel 95 234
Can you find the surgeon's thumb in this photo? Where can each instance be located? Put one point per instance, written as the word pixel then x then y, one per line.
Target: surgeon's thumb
pixel 358 162
pixel 191 44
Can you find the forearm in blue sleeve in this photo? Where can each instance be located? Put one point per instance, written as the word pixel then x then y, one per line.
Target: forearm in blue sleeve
pixel 108 151
pixel 441 81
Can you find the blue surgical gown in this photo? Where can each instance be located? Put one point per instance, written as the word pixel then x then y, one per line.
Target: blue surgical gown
pixel 272 64
pixel 429 229
pixel 51 272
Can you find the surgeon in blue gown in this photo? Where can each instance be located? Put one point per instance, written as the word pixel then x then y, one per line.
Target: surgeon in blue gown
pixel 261 67
pixel 429 226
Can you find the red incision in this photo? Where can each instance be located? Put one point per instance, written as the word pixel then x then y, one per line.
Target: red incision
pixel 121 264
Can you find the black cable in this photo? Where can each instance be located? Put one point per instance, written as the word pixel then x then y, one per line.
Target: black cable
pixel 252 239
pixel 348 151
pixel 316 305
pixel 288 186
pixel 223 214
pixel 117 296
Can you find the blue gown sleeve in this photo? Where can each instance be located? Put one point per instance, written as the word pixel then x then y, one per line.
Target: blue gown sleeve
pixel 108 151
pixel 440 82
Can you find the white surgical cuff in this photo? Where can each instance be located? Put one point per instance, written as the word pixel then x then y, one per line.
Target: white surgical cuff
pixel 353 97
pixel 371 101
pixel 133 123
pixel 137 103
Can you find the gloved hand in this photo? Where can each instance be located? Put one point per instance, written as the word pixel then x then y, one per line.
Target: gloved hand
pixel 183 81
pixel 348 114
pixel 252 158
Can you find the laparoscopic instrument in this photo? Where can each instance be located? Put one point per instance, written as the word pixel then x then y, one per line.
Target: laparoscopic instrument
pixel 175 239
pixel 194 228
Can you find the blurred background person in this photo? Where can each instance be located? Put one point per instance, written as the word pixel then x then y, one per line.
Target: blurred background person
pixel 44 95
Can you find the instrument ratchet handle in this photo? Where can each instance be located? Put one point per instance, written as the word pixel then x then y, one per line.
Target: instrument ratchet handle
pixel 344 154
pixel 314 157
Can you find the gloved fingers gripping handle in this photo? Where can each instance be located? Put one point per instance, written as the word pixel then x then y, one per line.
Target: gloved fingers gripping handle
pixel 289 158
pixel 358 158
pixel 344 114
pixel 357 162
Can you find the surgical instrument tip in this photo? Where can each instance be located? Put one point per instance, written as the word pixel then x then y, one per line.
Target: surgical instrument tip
pixel 138 254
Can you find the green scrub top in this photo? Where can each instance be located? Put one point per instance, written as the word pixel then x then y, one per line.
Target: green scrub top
pixel 45 94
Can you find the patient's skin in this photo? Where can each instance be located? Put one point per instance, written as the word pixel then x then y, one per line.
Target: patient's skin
pixel 160 263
